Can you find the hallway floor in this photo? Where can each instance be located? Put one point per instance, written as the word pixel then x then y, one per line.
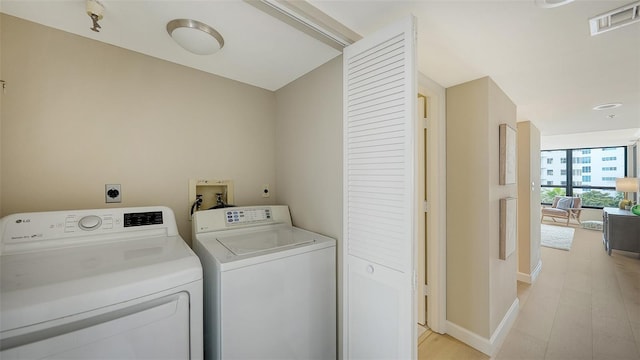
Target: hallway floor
pixel 583 305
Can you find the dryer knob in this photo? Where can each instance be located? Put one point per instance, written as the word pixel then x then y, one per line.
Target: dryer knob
pixel 90 222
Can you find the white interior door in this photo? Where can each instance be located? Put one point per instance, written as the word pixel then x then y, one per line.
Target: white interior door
pixel 379 195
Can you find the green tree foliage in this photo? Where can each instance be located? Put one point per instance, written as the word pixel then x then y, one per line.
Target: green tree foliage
pixel 600 199
pixel 547 194
pixel 593 198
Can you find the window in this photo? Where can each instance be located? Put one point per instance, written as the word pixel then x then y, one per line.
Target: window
pixel 582 160
pixel 581 173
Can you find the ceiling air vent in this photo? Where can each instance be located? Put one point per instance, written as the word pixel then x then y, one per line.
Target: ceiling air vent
pixel 552 3
pixel 614 19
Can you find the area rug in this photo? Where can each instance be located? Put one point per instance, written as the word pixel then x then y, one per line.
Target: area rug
pixel 557 237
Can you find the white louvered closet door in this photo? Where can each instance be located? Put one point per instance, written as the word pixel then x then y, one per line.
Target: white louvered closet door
pixel 380 96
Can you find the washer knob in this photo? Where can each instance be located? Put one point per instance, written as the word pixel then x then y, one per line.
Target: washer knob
pixel 90 222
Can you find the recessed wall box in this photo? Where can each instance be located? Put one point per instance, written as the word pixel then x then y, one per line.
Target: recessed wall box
pixel 212 191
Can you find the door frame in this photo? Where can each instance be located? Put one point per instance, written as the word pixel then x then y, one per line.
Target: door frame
pixel 437 207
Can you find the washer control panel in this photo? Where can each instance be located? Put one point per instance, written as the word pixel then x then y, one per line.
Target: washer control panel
pixel 234 218
pixel 247 216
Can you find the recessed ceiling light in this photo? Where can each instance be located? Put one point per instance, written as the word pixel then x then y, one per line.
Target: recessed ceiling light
pixel 552 3
pixel 607 106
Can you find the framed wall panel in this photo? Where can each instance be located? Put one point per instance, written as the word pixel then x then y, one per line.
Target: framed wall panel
pixel 507 155
pixel 508 227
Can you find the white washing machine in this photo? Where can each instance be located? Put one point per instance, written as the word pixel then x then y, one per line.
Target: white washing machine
pixel 270 288
pixel 98 284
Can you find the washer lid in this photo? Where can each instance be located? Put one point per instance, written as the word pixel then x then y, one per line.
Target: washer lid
pixel 46 285
pixel 251 243
pixel 257 245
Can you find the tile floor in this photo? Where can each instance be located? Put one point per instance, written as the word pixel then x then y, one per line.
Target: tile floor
pixel 584 305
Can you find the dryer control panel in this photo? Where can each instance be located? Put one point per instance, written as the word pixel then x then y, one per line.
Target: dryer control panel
pixel 26 231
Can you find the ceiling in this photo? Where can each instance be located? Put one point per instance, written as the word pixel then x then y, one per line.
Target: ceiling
pixel 543 58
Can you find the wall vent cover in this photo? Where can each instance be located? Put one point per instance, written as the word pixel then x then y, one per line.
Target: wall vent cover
pixel 615 19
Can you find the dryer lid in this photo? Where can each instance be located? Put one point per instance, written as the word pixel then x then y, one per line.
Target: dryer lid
pixel 46 285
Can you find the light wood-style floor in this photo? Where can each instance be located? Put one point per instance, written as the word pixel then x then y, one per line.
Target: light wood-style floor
pixel 435 346
pixel 584 305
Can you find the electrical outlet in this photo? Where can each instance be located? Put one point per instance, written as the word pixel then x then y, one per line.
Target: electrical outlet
pixel 112 193
pixel 265 191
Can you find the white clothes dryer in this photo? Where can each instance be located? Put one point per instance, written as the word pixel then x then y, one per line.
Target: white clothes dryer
pixel 270 288
pixel 98 284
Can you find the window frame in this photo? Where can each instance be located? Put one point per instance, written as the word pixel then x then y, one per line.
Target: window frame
pixel 568 185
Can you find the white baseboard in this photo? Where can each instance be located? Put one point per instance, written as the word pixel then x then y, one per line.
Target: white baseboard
pixel 487 346
pixel 530 278
pixel 536 271
pixel 525 278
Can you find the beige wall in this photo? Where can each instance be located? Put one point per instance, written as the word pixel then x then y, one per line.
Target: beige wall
pixel 528 198
pixel 503 273
pixel 1 97
pixel 309 149
pixel 309 154
pixel 480 287
pixel 80 114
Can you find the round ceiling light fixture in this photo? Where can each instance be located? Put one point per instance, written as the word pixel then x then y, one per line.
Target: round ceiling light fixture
pixel 195 37
pixel 608 106
pixel 552 3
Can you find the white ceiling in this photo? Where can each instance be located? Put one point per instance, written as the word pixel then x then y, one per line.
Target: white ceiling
pixel 258 50
pixel 544 59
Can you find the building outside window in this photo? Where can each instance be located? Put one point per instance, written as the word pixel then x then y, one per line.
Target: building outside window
pixel 565 176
